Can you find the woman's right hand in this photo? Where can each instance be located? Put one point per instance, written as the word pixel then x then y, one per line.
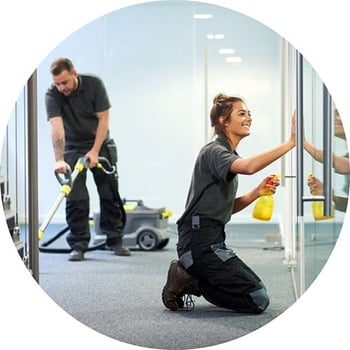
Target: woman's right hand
pixel 268 185
pixel 315 185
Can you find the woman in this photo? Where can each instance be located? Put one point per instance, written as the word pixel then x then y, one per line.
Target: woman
pixel 206 266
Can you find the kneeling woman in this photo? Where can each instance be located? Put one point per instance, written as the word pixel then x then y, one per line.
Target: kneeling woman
pixel 206 266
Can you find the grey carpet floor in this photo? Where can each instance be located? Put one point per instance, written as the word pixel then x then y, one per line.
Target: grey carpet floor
pixel 120 297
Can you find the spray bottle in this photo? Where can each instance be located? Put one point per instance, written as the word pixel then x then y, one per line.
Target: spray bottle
pixel 317 208
pixel 263 208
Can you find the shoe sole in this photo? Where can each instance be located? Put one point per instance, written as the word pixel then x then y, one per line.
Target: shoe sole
pixel 122 254
pixel 76 259
pixel 126 252
pixel 172 304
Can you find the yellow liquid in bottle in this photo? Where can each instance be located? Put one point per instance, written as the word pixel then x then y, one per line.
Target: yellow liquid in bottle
pixel 263 208
pixel 317 211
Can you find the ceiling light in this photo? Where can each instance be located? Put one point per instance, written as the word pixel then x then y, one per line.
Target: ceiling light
pixel 215 36
pixel 226 51
pixel 233 59
pixel 219 36
pixel 202 16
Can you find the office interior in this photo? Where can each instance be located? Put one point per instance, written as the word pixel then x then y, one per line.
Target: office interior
pixel 161 78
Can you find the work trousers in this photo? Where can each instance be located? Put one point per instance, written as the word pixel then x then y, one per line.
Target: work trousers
pixel 112 214
pixel 220 275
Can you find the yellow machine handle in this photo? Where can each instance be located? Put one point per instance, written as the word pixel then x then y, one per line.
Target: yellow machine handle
pixel 166 214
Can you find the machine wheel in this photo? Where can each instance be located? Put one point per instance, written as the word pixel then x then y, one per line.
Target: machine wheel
pixel 147 240
pixel 163 243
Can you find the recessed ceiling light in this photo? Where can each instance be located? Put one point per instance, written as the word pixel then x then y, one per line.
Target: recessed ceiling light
pixel 233 59
pixel 226 51
pixel 202 16
pixel 215 36
pixel 219 36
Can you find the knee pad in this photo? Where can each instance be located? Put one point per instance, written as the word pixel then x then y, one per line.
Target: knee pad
pixel 260 298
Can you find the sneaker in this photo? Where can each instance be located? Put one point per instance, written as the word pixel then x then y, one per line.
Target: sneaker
pixel 76 255
pixel 119 249
pixel 179 283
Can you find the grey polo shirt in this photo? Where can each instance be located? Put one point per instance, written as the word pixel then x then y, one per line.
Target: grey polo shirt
pixel 78 110
pixel 213 187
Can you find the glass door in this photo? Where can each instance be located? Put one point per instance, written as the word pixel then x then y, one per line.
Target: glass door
pixel 321 168
pixel 324 141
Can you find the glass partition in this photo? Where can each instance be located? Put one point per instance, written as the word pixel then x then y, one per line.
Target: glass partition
pixel 317 233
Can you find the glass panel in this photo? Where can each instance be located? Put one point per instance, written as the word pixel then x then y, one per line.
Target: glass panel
pixel 13 174
pixel 320 232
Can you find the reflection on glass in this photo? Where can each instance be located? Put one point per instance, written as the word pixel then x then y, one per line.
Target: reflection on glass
pixel 322 232
pixel 341 165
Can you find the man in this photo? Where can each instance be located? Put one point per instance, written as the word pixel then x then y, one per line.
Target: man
pixel 77 108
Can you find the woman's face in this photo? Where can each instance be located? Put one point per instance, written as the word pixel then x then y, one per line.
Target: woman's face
pixel 240 121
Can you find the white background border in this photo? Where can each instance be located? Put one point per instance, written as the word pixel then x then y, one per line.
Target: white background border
pixel 29 30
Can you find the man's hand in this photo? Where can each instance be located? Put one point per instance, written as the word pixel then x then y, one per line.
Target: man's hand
pixel 61 167
pixel 93 158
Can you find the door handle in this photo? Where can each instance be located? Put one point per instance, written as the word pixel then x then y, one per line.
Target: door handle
pixel 300 134
pixel 326 198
